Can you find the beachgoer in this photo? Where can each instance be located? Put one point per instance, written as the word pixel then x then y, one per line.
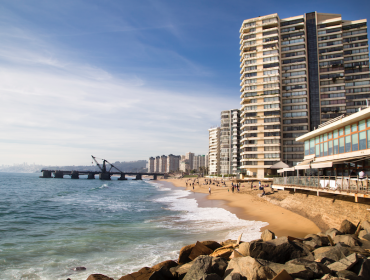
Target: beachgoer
pixel 361 175
pixel 209 189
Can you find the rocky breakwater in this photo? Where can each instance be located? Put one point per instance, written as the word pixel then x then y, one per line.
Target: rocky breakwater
pixel 333 254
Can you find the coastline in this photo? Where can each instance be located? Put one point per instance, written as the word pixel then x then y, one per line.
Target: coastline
pixel 248 206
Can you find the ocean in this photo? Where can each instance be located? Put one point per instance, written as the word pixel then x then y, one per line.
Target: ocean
pixel 50 226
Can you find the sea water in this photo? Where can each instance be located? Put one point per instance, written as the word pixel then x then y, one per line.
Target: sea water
pixel 50 226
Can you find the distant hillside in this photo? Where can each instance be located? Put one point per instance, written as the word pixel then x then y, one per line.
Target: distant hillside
pixel 125 166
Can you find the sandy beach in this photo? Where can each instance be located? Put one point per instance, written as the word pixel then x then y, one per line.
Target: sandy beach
pixel 247 205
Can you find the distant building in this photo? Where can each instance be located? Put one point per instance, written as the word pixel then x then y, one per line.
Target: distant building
pixel 151 165
pixel 173 163
pixel 200 161
pixel 163 164
pixel 214 151
pixel 189 156
pixel 157 164
pixel 184 165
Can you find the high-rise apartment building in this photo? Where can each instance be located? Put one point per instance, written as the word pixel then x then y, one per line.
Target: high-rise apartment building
pixel 297 73
pixel 214 151
pixel 173 163
pixel 163 164
pixel 157 164
pixel 229 141
pixel 151 165
pixel 200 161
pixel 189 156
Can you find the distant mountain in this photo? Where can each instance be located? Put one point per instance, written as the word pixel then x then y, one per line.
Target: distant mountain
pixel 125 166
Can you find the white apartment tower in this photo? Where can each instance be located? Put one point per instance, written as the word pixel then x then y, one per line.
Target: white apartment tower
pixel 297 73
pixel 173 163
pixel 214 151
pixel 151 165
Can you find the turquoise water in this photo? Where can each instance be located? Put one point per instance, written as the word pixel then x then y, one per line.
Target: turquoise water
pixel 50 226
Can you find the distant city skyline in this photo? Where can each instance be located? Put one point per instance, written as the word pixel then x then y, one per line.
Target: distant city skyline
pixel 123 80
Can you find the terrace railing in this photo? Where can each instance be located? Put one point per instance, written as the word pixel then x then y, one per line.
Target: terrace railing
pixel 330 183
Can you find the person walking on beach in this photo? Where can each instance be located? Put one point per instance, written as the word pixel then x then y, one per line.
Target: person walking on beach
pixel 209 189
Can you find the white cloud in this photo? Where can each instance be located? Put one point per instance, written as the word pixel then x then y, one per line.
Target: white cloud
pixel 56 110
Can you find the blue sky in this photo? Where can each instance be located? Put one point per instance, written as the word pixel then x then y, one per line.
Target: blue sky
pixel 123 80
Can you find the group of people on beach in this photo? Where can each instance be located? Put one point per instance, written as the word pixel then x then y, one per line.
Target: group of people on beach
pixel 192 182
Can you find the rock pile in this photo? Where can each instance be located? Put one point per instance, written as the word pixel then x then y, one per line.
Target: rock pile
pixel 334 254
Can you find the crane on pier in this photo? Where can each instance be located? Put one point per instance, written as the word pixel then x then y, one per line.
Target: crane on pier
pixel 105 175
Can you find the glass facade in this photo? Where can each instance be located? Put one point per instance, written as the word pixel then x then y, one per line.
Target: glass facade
pixel 350 138
pixel 314 94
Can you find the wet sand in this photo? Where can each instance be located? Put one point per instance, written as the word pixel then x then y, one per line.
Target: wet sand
pixel 247 205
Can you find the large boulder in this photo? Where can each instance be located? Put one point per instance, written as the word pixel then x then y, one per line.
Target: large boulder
pixel 344 264
pixel 249 268
pixel 347 227
pixel 334 253
pixel 223 252
pixel 228 242
pixel 318 269
pixel 201 266
pixel 244 248
pixel 345 239
pixel 219 266
pixel 186 250
pixel 365 269
pixel 294 270
pixel 142 274
pixel 212 276
pixel 213 245
pixel 235 276
pixel 333 232
pixel 267 235
pixel 366 226
pixel 279 250
pixel 316 241
pixel 184 254
pixel 345 274
pixel 162 274
pixel 98 277
pixel 181 270
pixel 168 264
pixel 199 249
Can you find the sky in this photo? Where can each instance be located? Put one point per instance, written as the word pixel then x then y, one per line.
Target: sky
pixel 124 80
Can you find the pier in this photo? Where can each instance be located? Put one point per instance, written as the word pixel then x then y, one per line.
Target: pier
pixel 74 174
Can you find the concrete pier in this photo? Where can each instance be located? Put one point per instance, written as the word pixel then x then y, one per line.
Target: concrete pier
pixel 46 174
pixel 75 175
pixel 104 176
pixel 58 174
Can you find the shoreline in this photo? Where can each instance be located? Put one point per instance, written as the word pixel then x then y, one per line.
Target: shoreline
pixel 247 206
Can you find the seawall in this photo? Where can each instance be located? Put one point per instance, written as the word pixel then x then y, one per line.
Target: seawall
pixel 326 211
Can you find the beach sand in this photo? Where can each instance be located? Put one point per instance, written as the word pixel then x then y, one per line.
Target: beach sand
pixel 247 205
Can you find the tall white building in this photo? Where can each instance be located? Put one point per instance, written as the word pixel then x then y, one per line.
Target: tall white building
pixel 173 163
pixel 151 165
pixel 200 161
pixel 214 151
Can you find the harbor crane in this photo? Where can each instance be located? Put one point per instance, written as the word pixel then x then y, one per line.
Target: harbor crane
pixel 105 175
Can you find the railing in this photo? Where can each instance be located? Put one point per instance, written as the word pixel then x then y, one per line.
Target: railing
pixel 329 183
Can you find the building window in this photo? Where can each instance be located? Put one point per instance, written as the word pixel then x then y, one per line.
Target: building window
pixel 341 145
pixel 330 148
pixel 335 146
